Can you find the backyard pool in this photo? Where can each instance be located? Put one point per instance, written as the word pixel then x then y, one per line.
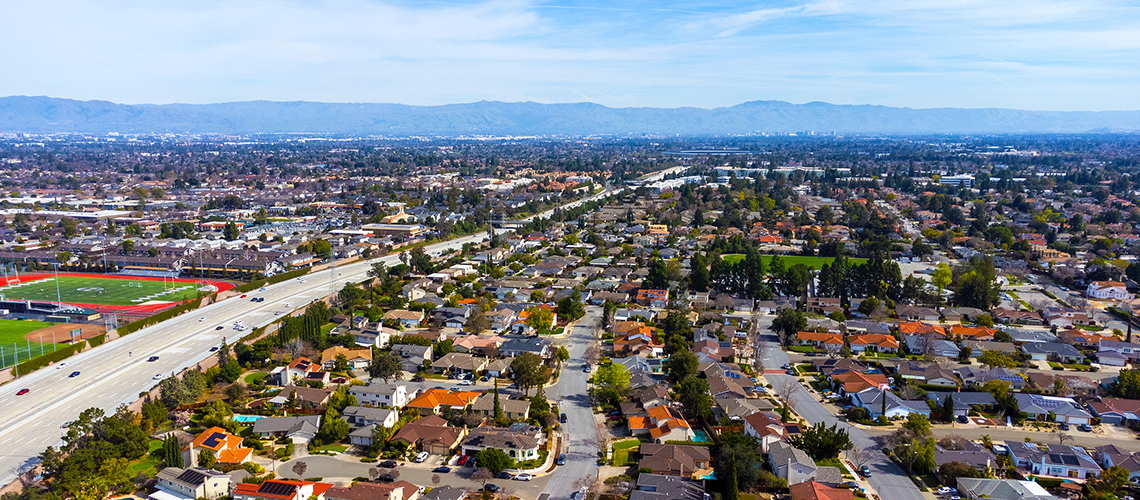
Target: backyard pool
pixel 699 437
pixel 246 418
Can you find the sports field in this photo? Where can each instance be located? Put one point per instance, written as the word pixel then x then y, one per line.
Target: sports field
pixel 104 290
pixel 791 260
pixel 12 341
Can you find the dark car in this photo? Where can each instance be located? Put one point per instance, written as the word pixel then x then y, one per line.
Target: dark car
pixel 501 475
pixel 417 379
pixel 491 487
pixel 73 375
pixel 963 419
pixel 261 299
pixel 562 418
pixel 23 391
pixel 851 484
pixel 219 327
pixel 1063 426
pixel 561 459
pixel 442 470
pixel 152 359
pixel 253 299
pixel 865 471
pixel 214 349
pixel 1085 428
pixel 585 368
pixel 388 464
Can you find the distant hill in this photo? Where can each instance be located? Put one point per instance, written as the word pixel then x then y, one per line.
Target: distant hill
pixel 46 114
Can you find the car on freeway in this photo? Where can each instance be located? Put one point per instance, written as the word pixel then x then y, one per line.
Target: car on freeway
pixel 865 471
pixel 219 327
pixel 491 487
pixel 244 295
pixel 561 459
pixel 23 391
pixel 562 418
pixel 158 376
pixel 262 289
pixel 65 424
pixel 388 464
pixel 61 365
pixel 203 318
pixel 443 469
pixel 214 349
pixel 523 477
pixel 261 299
pixel 73 375
pixel 504 475
pixel 152 359
pixel 253 299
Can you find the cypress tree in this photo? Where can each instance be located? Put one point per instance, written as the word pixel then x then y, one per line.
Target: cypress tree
pixel 173 451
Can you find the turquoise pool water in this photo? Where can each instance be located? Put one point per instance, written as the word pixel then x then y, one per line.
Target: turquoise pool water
pixel 246 418
pixel 699 437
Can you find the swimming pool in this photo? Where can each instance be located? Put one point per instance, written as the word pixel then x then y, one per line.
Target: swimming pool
pixel 699 437
pixel 246 418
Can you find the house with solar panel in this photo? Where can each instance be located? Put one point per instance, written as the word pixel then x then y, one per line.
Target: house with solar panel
pixel 1052 408
pixel 1053 460
pixel 280 489
pixel 225 446
pixel 176 483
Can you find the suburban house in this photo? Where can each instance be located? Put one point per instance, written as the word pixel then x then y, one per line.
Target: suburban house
pixel 299 429
pixel 373 335
pixel 543 347
pixel 917 313
pixel 226 447
pixel 513 409
pixel 932 345
pixel 737 409
pixel 1010 316
pixel 963 402
pixel 518 445
pixel 1128 351
pixel 928 373
pixel 920 328
pixel 978 377
pixel 814 490
pixel 1070 384
pixel 1109 455
pixel 301 369
pixel 280 489
pixel 363 415
pixel 873 342
pixel 972 332
pixel 871 400
pixel 1057 409
pixel 767 428
pixel 819 340
pixel 675 460
pixel 382 395
pixel 404 317
pixel 358 359
pixel 446 492
pixel 795 466
pixel 851 381
pixel 478 345
pixel 1116 411
pixel 1108 290
pixel 459 362
pixel 412 357
pixel 433 400
pixel 430 434
pixel 665 487
pixel 962 313
pixel 1002 489
pixel 972 454
pixel 304 397
pixel 396 490
pixel 662 424
pixel 1053 351
pixel 191 483
pixel 1053 460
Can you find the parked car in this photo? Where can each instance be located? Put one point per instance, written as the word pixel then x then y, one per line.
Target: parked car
pixel 1063 426
pixel 1085 428
pixel 523 477
pixel 963 419
pixel 851 484
pixel 504 475
pixel 562 418
pixel 484 378
pixel 865 471
pixel 491 487
pixel 420 457
pixel 466 382
pixel 561 459
pixel 417 379
pixel 946 490
pixel 585 368
pixel 442 469
pixel 388 464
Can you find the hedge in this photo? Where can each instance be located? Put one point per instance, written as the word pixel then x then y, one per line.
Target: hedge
pixel 97 340
pixel 47 359
pixel 158 318
pixel 254 285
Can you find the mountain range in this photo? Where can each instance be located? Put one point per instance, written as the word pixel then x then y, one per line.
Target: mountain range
pixel 54 115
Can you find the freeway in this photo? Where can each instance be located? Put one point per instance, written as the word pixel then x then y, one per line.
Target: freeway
pixel 886 477
pixel 118 372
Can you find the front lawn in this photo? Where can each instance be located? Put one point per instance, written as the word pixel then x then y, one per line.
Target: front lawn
pixel 254 378
pixel 805 349
pixel 829 462
pixel 330 448
pixel 623 450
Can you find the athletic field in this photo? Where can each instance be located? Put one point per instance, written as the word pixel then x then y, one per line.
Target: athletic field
pixel 98 290
pixel 12 342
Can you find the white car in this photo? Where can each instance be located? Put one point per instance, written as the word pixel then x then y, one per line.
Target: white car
pixel 61 365
pixel 203 318
pixel 466 382
pixel 158 376
pixel 944 490
pixel 523 477
pixel 420 457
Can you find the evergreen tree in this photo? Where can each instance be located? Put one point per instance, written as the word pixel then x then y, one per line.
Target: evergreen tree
pixel 172 451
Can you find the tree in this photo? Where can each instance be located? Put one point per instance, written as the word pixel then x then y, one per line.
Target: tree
pixel 821 442
pixel 528 370
pixel 378 270
pixel 539 406
pixel 736 455
pixel 658 277
pixel 385 365
pixel 682 365
pixel 494 459
pixel 918 424
pixel 341 363
pixel 299 469
pixel 869 305
pixel 614 375
pixel 1111 480
pixel 941 277
pixel 787 323
pixel 236 391
pixel 570 308
pixel 333 427
pixel 171 451
pixel 128 246
pixel 207 459
pixel 477 322
pixel 860 455
pixel 482 475
pixel 1126 385
pixel 541 319
pixel 230 231
pixel 693 394
pixel 996 359
pixel 948 472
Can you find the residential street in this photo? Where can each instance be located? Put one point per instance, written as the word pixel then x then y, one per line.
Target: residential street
pixel 887 479
pixel 337 469
pixel 1088 440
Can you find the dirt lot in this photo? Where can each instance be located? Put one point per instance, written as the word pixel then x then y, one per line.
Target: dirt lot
pixel 62 330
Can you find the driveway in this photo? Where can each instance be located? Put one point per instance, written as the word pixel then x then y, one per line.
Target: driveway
pixel 887 478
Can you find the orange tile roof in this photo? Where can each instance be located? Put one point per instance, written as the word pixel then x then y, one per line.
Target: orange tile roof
pixel 918 327
pixel 854 381
pixel 971 331
pixel 434 398
pixel 875 339
pixel 639 423
pixel 811 490
pixel 826 338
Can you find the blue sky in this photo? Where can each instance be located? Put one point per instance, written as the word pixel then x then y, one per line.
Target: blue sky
pixel 1025 54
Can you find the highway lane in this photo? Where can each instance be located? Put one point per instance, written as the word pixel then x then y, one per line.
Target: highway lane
pixel 117 372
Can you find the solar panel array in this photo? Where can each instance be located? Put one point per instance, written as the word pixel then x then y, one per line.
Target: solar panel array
pixel 275 488
pixel 214 440
pixel 192 477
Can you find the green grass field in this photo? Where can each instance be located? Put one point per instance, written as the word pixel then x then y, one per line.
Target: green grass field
pixel 791 260
pixel 622 450
pixel 12 341
pixel 93 290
